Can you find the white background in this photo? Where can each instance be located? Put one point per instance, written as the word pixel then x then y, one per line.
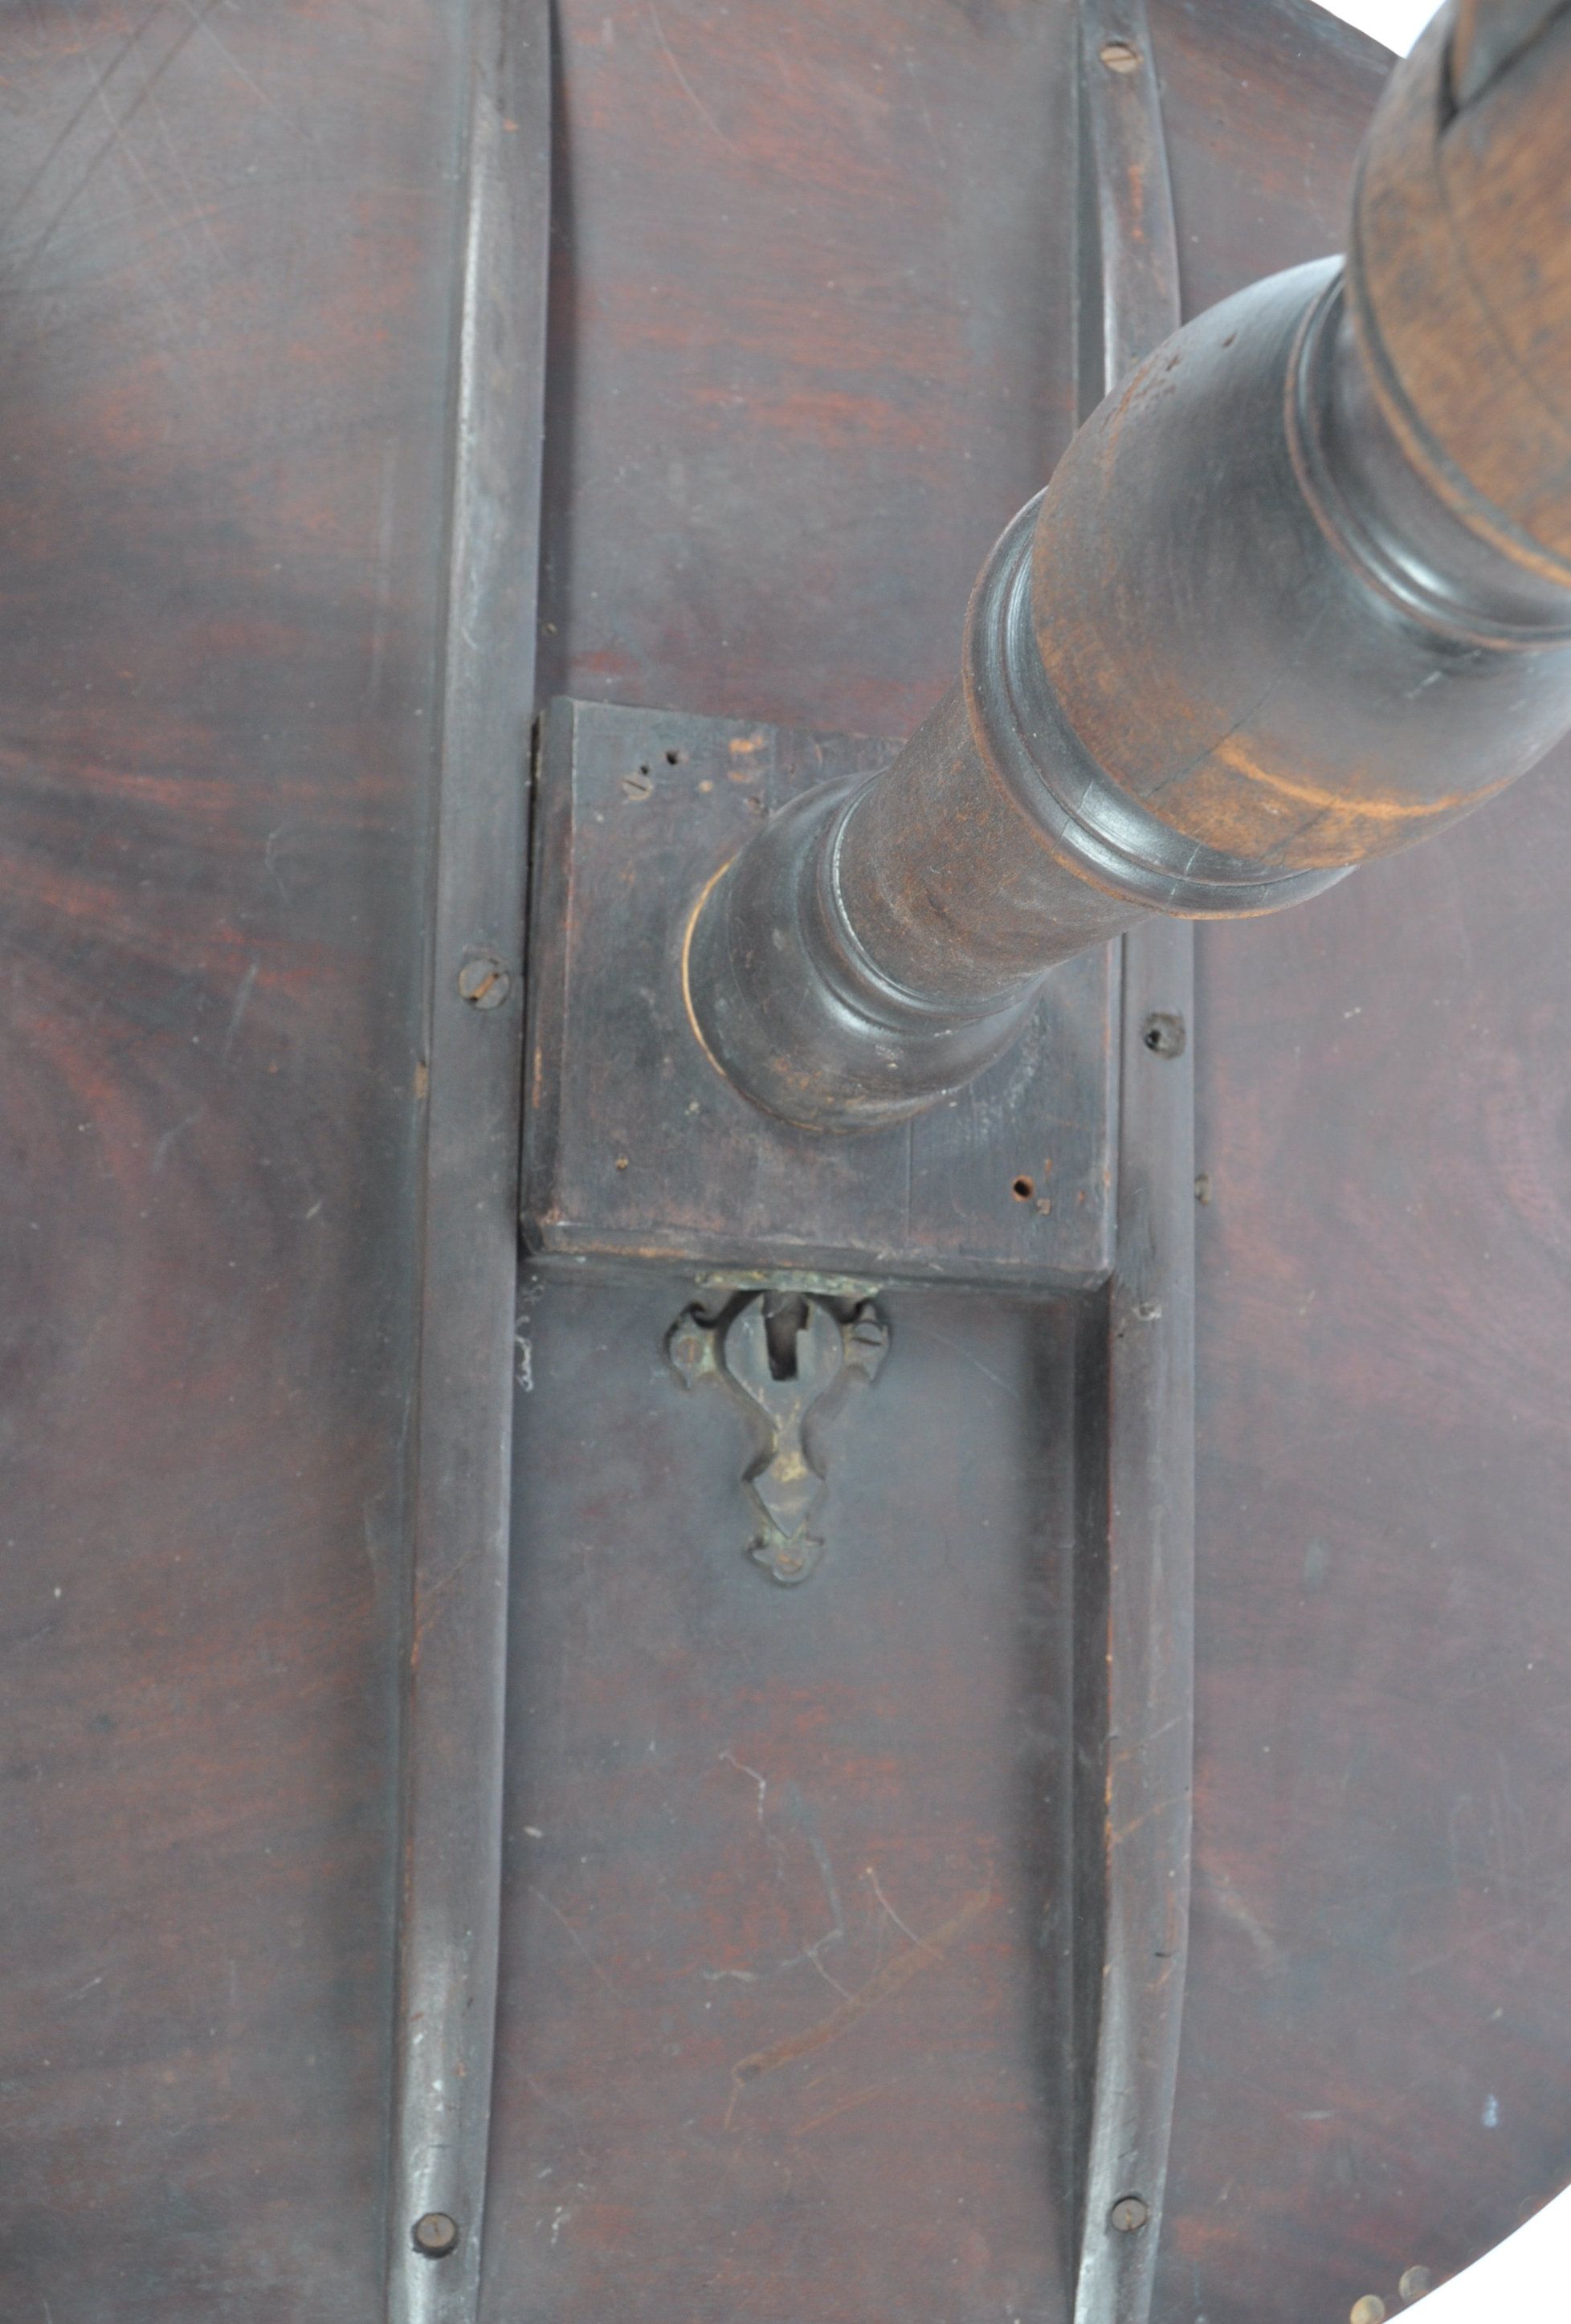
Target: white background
pixel 1397 22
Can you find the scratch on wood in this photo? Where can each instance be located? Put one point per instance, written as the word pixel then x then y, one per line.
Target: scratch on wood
pixel 862 2098
pixel 762 1781
pixel 924 1953
pixel 116 143
pixel 232 61
pixel 926 1331
pixel 577 1940
pixel 888 1908
pixel 703 110
pixel 242 998
pixel 428 1597
pixel 1158 1807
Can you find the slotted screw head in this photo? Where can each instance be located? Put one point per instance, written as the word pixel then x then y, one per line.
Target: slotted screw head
pixel 485 983
pixel 688 1351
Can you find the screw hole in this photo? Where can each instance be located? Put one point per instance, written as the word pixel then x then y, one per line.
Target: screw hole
pixel 1023 1190
pixel 674 758
pixel 1163 1033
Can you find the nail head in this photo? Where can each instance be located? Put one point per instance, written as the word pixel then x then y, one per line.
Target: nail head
pixel 436 2234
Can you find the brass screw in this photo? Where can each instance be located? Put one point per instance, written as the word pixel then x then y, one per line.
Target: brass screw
pixel 436 2234
pixel 1414 2282
pixel 1369 2310
pixel 687 1351
pixel 1128 2215
pixel 1121 56
pixel 485 984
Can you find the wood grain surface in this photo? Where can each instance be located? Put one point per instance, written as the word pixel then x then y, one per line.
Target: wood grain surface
pixel 807 345
pixel 1373 2076
pixel 786 1930
pixel 226 269
pixel 1375 2068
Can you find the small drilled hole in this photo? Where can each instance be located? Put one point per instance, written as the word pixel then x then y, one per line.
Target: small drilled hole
pixel 1023 1190
pixel 1163 1033
pixel 673 758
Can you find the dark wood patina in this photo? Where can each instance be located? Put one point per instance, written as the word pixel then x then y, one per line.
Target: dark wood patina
pixel 454 1699
pixel 1298 595
pixel 812 340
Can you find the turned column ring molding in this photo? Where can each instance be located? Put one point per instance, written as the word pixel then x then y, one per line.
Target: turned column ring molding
pixel 1297 596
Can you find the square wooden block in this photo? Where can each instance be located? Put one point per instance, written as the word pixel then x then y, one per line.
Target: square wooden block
pixel 636 1147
